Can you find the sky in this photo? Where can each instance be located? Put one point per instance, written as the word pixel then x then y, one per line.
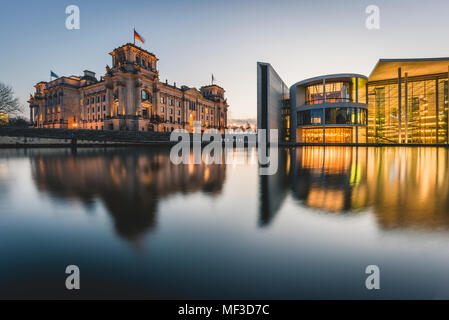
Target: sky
pixel 195 38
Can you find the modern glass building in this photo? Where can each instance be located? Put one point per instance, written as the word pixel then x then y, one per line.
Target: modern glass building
pixel 273 105
pixel 329 109
pixel 408 101
pixel 404 101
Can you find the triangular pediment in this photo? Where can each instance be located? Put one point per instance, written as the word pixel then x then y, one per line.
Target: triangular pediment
pixel 194 92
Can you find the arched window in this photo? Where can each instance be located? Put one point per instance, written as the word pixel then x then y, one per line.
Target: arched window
pixel 146 96
pixel 138 60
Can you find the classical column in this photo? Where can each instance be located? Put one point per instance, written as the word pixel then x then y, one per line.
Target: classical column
pixel 121 98
pixel 137 98
pixel 183 112
pixel 157 97
pixel 109 98
pixel 62 116
pixel 156 106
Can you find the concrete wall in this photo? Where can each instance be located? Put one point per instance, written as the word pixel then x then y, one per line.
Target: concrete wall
pixel 25 141
pixel 271 90
pixel 13 136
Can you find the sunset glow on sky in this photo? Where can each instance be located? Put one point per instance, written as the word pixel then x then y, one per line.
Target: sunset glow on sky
pixel 194 39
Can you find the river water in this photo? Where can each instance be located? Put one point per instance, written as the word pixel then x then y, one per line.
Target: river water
pixel 138 226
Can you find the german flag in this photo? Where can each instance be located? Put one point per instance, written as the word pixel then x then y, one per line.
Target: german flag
pixel 138 37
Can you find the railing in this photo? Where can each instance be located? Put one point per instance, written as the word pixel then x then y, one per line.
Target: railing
pixel 328 100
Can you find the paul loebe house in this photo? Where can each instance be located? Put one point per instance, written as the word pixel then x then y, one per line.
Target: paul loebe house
pixel 128 97
pixel 403 101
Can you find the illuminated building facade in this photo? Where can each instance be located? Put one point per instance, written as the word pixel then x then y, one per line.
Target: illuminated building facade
pixel 4 118
pixel 128 97
pixel 408 101
pixel 404 101
pixel 329 109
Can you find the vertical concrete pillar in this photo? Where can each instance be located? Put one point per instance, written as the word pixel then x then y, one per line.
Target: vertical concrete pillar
pixel 437 112
pixel 324 90
pixel 399 105
pixel 357 110
pixel 323 120
pixel 324 115
pixel 406 107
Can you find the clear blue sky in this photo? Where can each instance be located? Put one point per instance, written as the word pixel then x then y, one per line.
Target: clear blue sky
pixel 193 39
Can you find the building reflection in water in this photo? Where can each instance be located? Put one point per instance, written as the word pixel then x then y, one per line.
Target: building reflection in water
pixel 130 183
pixel 274 188
pixel 404 187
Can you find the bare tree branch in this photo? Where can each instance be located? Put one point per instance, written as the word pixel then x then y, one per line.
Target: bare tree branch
pixel 8 104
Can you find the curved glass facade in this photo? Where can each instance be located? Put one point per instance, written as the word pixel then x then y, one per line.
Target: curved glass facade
pixel 332 110
pixel 332 116
pixel 331 92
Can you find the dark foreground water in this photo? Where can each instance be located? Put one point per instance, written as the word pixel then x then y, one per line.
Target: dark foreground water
pixel 140 227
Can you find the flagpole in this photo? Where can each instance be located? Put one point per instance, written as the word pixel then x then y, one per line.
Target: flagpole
pixel 134 36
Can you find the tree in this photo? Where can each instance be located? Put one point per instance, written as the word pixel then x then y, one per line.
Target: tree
pixel 8 103
pixel 18 122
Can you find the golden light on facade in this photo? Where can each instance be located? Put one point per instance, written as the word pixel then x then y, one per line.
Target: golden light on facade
pixel 4 118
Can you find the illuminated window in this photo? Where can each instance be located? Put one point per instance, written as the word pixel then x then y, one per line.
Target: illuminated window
pixel 333 92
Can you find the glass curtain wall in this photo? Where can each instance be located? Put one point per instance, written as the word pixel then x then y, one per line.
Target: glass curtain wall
pixel 443 111
pixel 424 112
pixel 334 92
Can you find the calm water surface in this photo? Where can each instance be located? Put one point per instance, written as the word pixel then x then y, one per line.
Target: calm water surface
pixel 141 227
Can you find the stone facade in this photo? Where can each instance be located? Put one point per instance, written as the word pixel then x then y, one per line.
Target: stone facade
pixel 4 118
pixel 128 97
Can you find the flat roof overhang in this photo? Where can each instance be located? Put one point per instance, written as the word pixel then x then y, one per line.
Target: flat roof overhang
pixel 330 105
pixel 386 69
pixel 332 77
